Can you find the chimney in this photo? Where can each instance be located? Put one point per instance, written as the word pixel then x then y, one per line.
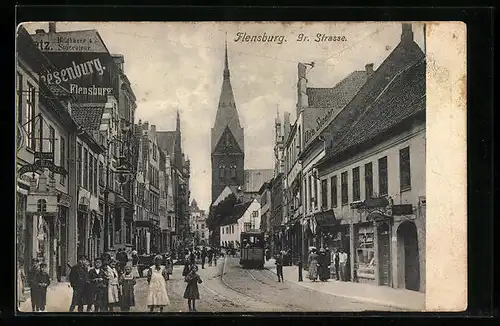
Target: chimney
pixel 52 27
pixel 407 33
pixel 369 68
pixel 301 88
pixel 40 31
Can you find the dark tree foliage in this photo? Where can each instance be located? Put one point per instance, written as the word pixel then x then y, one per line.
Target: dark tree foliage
pixel 222 211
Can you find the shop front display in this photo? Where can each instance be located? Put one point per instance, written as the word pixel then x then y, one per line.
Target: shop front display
pixel 365 254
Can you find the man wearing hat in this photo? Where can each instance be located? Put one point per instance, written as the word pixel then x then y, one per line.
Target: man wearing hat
pixel 33 284
pixel 79 280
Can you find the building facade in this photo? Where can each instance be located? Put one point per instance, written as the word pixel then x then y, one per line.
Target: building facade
pixel 198 224
pixel 373 175
pixel 246 216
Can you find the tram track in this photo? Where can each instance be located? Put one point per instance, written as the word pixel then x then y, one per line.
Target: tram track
pixel 284 307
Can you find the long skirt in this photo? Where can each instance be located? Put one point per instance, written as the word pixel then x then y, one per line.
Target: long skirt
pixel 313 270
pixel 113 293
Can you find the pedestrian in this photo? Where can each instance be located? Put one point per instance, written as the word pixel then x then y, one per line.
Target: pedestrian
pixel 113 285
pixel 216 255
pixel 43 280
pixel 33 284
pixel 342 265
pixel 323 265
pixel 191 293
pixel 79 281
pixel 336 263
pixel 169 265
pixel 20 283
pixel 87 291
pixel 99 286
pixel 210 256
pixel 299 264
pixel 203 257
pixel 127 283
pixel 157 293
pixel 312 263
pixel 122 258
pixel 279 267
pixel 135 262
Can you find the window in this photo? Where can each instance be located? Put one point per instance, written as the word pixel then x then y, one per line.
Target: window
pixel 233 171
pixel 368 180
pixel 232 228
pixel 247 226
pixel 310 192
pixel 365 254
pixel 221 171
pixel 355 184
pixel 382 176
pixel 333 193
pixel 344 194
pixel 62 158
pixel 305 195
pixel 202 226
pixel 255 214
pixel 85 168
pixel 79 165
pixel 52 139
pixel 91 173
pixel 222 229
pixel 19 98
pixel 197 226
pixel 227 229
pixel 30 116
pixel 95 175
pixel 203 235
pixel 315 189
pixel 324 193
pixel 404 169
pixel 101 174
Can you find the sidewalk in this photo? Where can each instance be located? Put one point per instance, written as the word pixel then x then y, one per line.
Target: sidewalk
pixel 380 295
pixel 58 298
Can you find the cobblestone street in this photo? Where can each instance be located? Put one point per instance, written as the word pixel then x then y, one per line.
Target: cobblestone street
pixel 230 288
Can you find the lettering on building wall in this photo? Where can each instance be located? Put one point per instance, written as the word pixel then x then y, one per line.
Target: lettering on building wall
pixel 320 123
pixel 74 71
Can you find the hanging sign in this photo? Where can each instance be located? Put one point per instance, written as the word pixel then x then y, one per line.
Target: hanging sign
pixel 43 164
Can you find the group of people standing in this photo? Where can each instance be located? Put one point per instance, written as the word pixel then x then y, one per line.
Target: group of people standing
pixel 323 264
pixel 208 256
pixel 106 285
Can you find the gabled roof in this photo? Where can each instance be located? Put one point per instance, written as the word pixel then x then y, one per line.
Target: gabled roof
pixel 403 98
pixel 225 193
pixel 88 115
pixel 404 55
pixel 166 140
pixel 254 179
pixel 239 211
pixel 339 95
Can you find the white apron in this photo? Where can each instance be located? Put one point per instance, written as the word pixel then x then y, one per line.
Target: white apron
pixel 157 295
pixel 113 294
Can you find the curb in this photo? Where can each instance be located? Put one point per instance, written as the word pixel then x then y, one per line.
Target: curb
pixel 363 299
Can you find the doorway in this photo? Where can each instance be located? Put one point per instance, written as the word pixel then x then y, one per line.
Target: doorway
pixel 384 258
pixel 410 267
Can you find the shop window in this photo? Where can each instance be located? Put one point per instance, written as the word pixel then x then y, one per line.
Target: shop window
pixel 365 254
pixel 355 184
pixel 382 176
pixel 404 169
pixel 368 180
pixel 345 188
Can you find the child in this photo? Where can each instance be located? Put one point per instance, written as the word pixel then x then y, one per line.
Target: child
pixel 169 265
pixel 127 282
pixel 43 280
pixel 157 294
pixel 99 286
pixel 279 268
pixel 192 294
pixel 113 286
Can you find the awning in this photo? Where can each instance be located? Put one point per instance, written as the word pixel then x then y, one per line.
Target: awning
pixel 326 218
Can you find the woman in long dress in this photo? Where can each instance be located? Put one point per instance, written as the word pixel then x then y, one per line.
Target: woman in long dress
pixel 313 265
pixel 113 285
pixel 157 294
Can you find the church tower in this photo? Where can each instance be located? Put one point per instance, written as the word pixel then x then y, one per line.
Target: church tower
pixel 227 138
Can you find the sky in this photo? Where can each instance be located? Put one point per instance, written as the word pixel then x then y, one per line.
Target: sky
pixel 179 66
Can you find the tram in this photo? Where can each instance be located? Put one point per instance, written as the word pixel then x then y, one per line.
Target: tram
pixel 252 249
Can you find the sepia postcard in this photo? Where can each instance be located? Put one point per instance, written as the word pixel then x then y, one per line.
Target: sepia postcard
pixel 240 167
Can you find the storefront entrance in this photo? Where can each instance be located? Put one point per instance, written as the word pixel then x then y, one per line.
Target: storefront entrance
pixel 409 269
pixel 384 257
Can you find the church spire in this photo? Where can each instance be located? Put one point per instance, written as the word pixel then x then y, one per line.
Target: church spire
pixel 178 122
pixel 226 61
pixel 227 114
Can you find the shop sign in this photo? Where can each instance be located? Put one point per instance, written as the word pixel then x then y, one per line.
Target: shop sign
pixel 42 164
pixel 399 210
pixel 75 41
